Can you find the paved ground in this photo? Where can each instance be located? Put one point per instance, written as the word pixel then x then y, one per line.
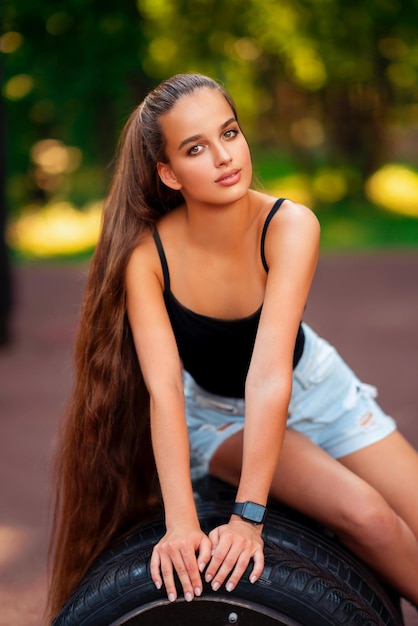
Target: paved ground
pixel 366 305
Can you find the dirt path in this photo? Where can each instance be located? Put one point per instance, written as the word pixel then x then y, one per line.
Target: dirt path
pixel 366 305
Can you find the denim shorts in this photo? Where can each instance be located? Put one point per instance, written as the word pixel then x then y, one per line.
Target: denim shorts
pixel 328 404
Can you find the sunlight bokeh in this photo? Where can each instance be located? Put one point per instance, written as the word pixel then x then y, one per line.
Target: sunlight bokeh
pixel 53 157
pixel 395 187
pixel 17 87
pixel 58 229
pixel 295 186
pixel 329 185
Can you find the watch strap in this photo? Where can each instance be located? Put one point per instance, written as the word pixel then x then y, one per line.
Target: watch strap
pixel 238 508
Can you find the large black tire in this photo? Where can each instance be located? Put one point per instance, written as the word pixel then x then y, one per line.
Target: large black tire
pixel 308 580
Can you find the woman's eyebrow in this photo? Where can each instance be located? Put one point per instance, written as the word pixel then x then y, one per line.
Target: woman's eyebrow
pixel 189 140
pixel 194 138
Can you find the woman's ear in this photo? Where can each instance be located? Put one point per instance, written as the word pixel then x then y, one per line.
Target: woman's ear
pixel 167 176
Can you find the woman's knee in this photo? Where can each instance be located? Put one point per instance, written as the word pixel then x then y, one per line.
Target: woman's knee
pixel 368 519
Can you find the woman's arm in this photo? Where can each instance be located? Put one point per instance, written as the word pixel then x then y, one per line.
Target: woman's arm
pixel 291 250
pixel 161 367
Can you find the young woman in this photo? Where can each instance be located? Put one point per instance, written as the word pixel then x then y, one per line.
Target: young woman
pixel 191 338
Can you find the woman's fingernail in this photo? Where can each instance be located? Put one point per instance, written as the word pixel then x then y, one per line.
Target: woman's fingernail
pixel 157 584
pixel 202 567
pixel 208 578
pixel 253 579
pixel 188 596
pixel 215 586
pixel 171 597
pixel 229 586
pixel 198 591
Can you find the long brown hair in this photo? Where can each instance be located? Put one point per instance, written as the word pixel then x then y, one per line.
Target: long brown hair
pixel 104 472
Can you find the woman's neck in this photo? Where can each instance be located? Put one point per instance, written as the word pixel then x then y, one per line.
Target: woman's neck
pixel 217 226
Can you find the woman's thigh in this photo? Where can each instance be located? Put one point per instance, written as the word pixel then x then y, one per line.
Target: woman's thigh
pixel 391 466
pixel 307 479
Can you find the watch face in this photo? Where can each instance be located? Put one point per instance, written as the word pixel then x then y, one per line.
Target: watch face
pixel 253 512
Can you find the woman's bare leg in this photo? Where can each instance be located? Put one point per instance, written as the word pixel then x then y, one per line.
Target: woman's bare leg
pixel 311 481
pixel 391 467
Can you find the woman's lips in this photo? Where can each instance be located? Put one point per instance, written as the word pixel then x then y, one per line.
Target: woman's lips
pixel 229 178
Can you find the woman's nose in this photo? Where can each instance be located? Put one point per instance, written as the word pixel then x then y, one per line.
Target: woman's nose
pixel 222 155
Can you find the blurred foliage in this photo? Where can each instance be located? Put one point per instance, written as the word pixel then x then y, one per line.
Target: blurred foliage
pixel 73 77
pixel 327 90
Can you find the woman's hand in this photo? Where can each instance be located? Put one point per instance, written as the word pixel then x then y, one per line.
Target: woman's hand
pixel 185 551
pixel 233 545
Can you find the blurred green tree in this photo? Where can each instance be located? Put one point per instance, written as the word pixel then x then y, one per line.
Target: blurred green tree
pixel 73 74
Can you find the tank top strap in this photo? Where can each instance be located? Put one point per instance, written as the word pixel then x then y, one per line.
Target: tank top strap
pixel 276 206
pixel 163 259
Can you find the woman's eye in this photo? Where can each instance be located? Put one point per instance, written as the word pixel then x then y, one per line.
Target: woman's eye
pixel 231 133
pixel 194 150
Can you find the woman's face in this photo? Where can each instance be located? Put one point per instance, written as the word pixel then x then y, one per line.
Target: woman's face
pixel 208 158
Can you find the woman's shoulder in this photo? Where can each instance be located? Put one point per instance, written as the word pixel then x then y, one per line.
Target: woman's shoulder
pixel 292 230
pixel 297 215
pixel 143 257
pixel 285 211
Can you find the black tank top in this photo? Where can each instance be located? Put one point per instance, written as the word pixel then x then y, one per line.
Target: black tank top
pixel 217 352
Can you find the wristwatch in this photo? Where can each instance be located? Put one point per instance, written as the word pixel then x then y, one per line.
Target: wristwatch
pixel 250 512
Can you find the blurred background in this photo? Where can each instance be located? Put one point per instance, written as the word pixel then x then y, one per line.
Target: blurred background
pixel 326 89
pixel 327 93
